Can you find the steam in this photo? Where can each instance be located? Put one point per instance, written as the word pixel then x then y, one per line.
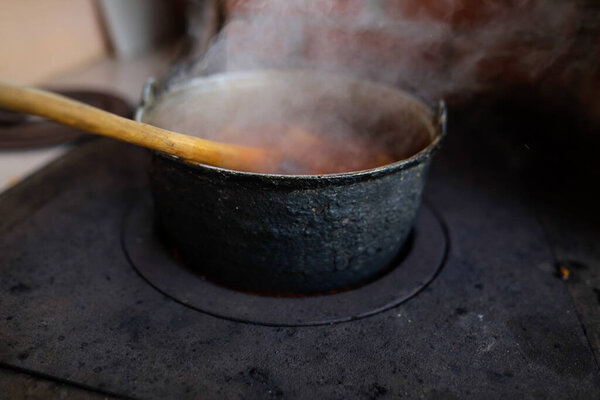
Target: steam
pixel 430 48
pixel 433 49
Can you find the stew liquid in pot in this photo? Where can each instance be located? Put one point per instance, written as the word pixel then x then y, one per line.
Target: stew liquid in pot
pixel 325 129
pixel 307 152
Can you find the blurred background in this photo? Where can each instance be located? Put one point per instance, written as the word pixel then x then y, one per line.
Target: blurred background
pixel 86 42
pixel 540 53
pixel 444 48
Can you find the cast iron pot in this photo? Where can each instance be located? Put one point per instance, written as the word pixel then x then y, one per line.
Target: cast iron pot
pixel 282 234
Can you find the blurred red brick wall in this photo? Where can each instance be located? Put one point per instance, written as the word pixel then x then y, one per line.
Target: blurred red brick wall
pixel 438 48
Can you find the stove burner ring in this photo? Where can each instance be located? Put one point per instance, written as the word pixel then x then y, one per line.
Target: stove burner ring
pixel 154 263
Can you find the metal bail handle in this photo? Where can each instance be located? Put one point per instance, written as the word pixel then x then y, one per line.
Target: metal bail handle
pixel 442 117
pixel 148 92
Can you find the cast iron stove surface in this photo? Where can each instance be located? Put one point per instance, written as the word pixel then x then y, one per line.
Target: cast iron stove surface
pixel 492 324
pixel 416 266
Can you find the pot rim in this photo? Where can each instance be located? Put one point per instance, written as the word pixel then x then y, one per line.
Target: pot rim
pixel 438 123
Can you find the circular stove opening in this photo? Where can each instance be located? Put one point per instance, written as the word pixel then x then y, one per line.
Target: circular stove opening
pixel 414 269
pixel 398 259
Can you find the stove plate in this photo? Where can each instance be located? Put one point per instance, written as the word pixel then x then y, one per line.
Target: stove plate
pixel 493 324
pixel 411 272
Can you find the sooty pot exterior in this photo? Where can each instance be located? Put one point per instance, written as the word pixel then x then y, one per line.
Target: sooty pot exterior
pixel 290 234
pixel 285 234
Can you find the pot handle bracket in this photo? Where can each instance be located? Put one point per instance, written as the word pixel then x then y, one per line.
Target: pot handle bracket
pixel 442 117
pixel 148 92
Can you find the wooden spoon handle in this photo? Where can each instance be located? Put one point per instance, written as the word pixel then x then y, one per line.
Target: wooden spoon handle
pixel 91 119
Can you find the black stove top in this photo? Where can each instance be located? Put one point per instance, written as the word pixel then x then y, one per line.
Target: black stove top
pixel 473 309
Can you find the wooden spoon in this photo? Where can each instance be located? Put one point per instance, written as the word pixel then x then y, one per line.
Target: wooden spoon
pixel 91 119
